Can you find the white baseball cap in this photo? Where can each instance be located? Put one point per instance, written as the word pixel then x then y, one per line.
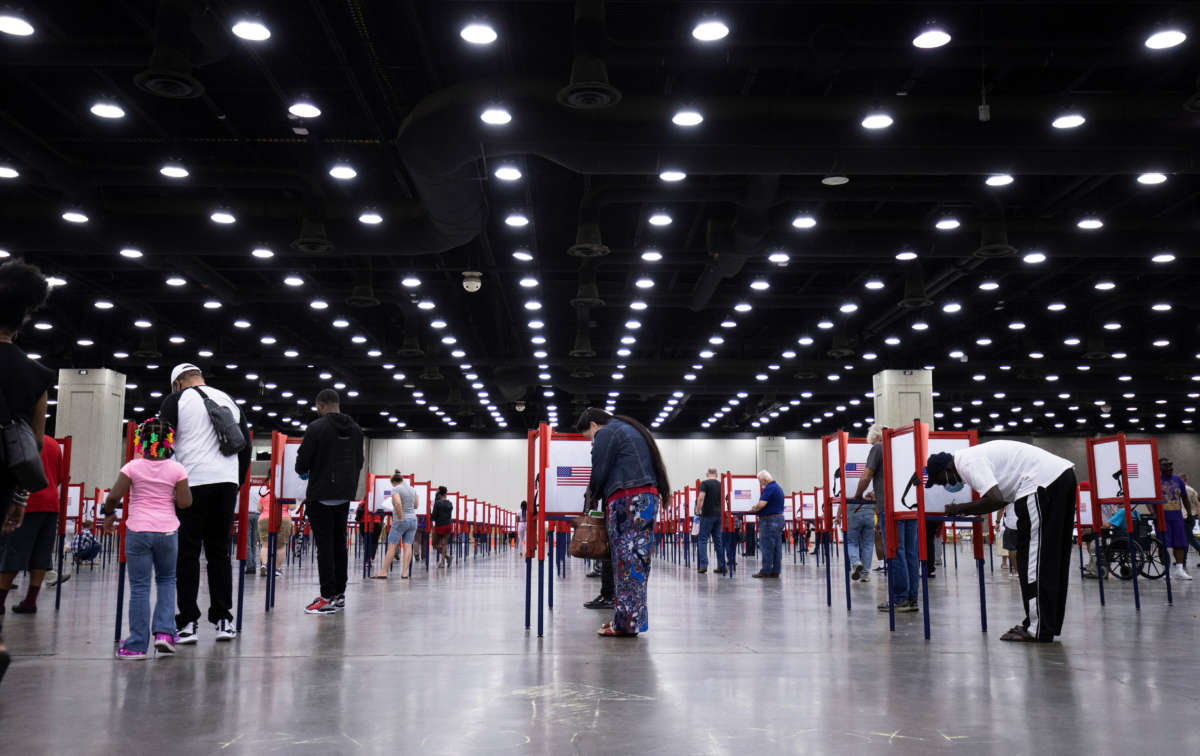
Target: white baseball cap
pixel 180 369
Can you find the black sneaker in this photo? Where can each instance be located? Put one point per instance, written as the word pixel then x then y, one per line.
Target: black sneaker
pixel 339 603
pixel 187 634
pixel 599 603
pixel 856 573
pixel 908 606
pixel 593 574
pixel 702 570
pixel 719 571
pixel 319 605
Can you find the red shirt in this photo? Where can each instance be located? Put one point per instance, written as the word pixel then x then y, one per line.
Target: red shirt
pixel 46 500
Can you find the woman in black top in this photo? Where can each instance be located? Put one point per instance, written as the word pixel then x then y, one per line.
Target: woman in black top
pixel 24 385
pixel 443 526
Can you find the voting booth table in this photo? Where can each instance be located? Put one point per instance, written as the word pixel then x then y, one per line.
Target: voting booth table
pixel 1124 472
pixel 844 459
pixel 905 451
pixel 559 468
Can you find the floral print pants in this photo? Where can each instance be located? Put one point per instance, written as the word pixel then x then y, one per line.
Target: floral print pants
pixel 630 522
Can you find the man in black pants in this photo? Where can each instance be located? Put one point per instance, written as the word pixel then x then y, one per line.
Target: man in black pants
pixel 331 456
pixel 214 479
pixel 1041 487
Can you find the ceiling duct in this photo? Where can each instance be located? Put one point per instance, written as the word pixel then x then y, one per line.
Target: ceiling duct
pixel 587 295
pixel 1096 349
pixel 431 373
pixel 588 242
pixel 915 294
pixel 312 239
pixel 841 348
pixel 583 336
pixel 589 88
pixel 724 262
pixel 993 240
pixel 411 346
pixel 169 73
pixel 363 296
pixel 147 348
pixel 582 370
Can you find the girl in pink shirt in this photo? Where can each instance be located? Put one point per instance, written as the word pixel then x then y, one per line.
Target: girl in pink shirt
pixel 156 485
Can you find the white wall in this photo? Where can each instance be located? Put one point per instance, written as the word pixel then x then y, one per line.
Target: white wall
pixel 491 469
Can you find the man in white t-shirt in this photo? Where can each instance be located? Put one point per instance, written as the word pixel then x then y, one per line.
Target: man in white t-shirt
pixel 1041 488
pixel 214 479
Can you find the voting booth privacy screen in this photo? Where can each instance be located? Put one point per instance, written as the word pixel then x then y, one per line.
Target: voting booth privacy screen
pixel 1141 468
pixel 568 469
pixel 744 493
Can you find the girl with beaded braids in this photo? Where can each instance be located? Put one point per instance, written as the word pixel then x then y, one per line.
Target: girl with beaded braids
pixel 156 485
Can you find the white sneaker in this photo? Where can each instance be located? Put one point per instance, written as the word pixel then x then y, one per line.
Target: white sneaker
pixel 187 635
pixel 865 578
pixel 1179 573
pixel 856 573
pixel 51 578
pixel 225 631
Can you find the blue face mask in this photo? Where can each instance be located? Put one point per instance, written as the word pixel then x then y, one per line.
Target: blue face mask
pixel 954 487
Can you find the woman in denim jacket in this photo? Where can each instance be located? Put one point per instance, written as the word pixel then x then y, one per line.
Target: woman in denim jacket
pixel 629 477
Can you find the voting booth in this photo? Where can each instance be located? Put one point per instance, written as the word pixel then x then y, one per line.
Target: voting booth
pixel 844 462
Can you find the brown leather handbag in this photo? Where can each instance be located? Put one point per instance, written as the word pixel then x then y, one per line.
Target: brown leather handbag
pixel 590 539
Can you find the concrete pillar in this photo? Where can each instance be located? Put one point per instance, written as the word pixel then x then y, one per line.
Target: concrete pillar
pixel 91 408
pixel 902 396
pixel 770 454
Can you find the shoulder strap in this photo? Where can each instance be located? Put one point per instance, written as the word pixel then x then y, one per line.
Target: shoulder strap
pixel 200 392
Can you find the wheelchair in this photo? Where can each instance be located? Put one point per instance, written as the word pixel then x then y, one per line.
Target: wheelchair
pixel 1143 555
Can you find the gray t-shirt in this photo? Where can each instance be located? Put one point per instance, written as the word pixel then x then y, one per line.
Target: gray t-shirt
pixel 875 462
pixel 408 499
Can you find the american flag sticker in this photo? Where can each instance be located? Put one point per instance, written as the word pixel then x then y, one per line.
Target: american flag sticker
pixel 855 469
pixel 741 494
pixel 572 476
pixel 1131 469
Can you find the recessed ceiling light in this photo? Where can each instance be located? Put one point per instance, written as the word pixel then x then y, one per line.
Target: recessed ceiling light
pixel 1161 307
pixel 623 352
pixel 998 179
pixel 410 282
pixel 425 304
pixel 1112 325
pixel 304 109
pixel 516 220
pixel 729 324
pixel 224 217
pixel 131 253
pixel 983 341
pixel 930 38
pixel 1071 341
pixel 528 283
pixel 478 33
pixel 1162 258
pixel 947 224
pixel 319 304
pixel 804 221
pixel 176 281
pixel 291 353
pixel 268 340
pixel 343 172
pixel 652 255
pixel 1161 342
pixel 212 304
pixel 1034 258
pixel 370 218
pixel 711 30
pixel 254 31
pixel 742 307
pixel 142 323
pixel 84 342
pixel 906 255
pixel 835 180
pixel 920 325
pixel 825 325
pixel 1016 325
pixel 1167 38
pixel 107 110
pixel 74 216
pixel 8 172
pixel 877 121
pixel 293 280
pixel 660 219
pixel 176 339
pixel 848 307
pixel 173 170
pixel 1056 307
pixel 241 324
pixel 495 116
pixel 1068 121
pixel 638 305
pixel 533 305
pixel 1090 224
pixel 989 285
pixel 672 176
pixel 952 307
pixel 644 283
pixel 507 173
pixel 760 285
pixel 522 255
pixel 1104 285
pixel 18 27
pixel 687 118
pixel 779 258
pixel 1152 178
pixel 262 253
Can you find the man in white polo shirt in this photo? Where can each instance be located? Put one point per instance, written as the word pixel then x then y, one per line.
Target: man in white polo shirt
pixel 214 479
pixel 1041 487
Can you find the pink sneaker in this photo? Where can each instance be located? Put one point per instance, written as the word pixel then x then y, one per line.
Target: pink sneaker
pixel 164 643
pixel 127 655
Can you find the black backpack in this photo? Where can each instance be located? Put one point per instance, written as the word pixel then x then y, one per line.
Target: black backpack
pixel 230 437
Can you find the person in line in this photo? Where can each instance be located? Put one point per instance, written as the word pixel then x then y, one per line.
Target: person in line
pixel 158 487
pixel 708 509
pixel 443 526
pixel 873 477
pixel 629 476
pixel 860 532
pixel 24 385
pixel 214 478
pixel 404 528
pixel 263 530
pixel 769 510
pixel 522 526
pixel 31 546
pixel 1041 487
pixel 252 544
pixel 1175 496
pixel 331 456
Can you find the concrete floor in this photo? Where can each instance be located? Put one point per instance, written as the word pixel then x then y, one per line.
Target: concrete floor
pixel 443 665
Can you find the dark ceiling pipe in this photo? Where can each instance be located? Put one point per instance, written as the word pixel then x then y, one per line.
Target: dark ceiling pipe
pixel 728 253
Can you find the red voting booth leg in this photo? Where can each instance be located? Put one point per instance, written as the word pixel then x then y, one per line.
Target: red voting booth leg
pixel 64 485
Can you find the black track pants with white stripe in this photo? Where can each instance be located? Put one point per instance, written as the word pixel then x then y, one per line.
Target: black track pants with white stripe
pixel 1044 524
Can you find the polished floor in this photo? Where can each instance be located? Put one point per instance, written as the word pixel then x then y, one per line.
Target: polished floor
pixel 442 664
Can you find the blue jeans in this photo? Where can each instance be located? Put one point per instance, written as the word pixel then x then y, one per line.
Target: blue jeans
pixel 147 553
pixel 904 569
pixel 770 539
pixel 710 527
pixel 860 535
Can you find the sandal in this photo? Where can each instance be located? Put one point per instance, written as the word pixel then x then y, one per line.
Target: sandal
pixel 1018 634
pixel 606 630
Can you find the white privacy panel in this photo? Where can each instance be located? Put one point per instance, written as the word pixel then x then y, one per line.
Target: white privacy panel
pixel 1108 468
pixel 833 463
pixel 1142 468
pixel 937 498
pixel 744 494
pixel 288 484
pixel 904 465
pixel 1085 509
pixel 808 506
pixel 568 469
pixel 381 495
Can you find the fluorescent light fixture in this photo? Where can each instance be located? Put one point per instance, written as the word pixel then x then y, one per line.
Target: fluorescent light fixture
pixel 74 216
pixel 293 280
pixel 1162 258
pixel 1056 306
pixel 804 221
pixel 1104 285
pixel 410 282
pixel 131 253
pixel 103 304
pixel 644 283
pixel 319 304
pixel 8 172
pixel 760 285
pixel 951 307
pixel 660 219
pixel 988 285
pixel 142 323
pixel 1152 178
pixel 1161 307
pixel 212 304
pixel 533 305
pixel 638 305
pixel 241 324
pixel 947 224
pixel 176 281
pixel 1090 224
pixel 848 307
pixel 835 180
pixel 18 27
pixel 1034 258
pixel 906 255
pixel 652 255
pixel 779 258
pixel 522 255
pixel 528 283
pixel 742 307
pixel 262 253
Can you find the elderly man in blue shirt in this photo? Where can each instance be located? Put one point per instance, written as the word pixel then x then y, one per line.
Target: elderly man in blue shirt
pixel 770 525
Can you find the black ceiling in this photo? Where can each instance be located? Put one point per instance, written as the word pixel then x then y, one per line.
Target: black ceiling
pixel 782 99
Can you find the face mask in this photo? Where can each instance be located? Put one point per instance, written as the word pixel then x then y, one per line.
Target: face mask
pixel 954 487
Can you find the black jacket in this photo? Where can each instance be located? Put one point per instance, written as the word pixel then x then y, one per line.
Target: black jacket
pixel 332 455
